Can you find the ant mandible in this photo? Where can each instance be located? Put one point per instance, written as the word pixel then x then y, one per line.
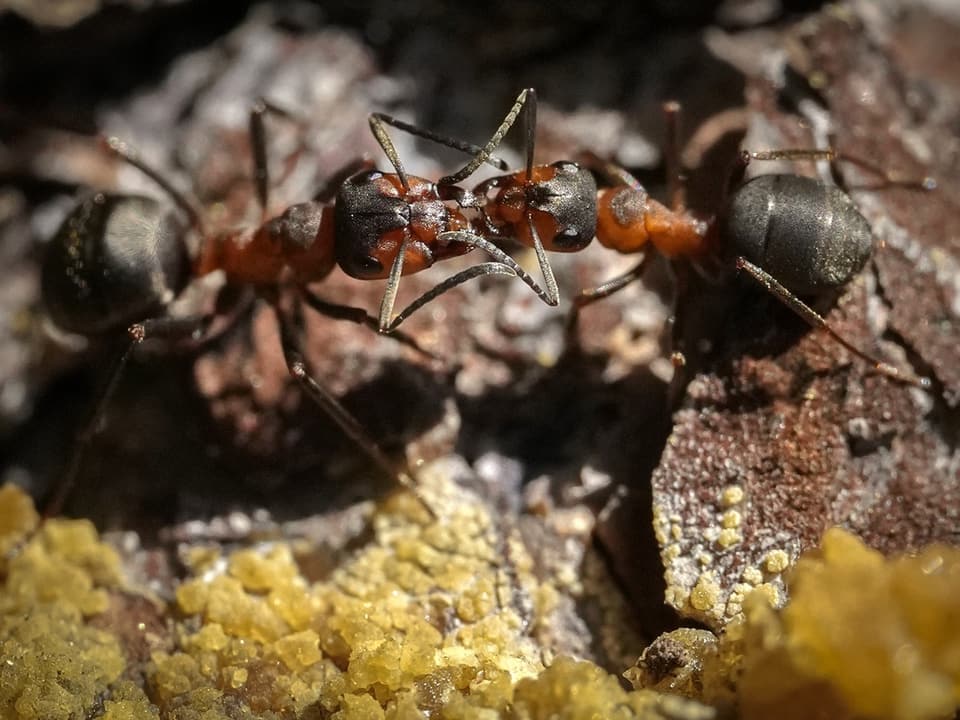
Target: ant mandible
pixel 119 261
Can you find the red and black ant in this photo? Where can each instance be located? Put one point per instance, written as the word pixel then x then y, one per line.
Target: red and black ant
pixel 792 234
pixel 392 224
pixel 118 261
pixel 545 207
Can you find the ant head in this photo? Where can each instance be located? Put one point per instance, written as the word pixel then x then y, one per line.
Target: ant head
pixel 367 208
pixel 559 201
pixel 375 212
pixel 567 193
pixel 115 260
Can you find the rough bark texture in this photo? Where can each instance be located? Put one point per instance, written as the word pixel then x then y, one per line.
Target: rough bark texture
pixel 810 435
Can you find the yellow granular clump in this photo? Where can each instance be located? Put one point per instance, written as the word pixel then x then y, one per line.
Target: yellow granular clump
pixel 731 495
pixel 776 561
pixel 64 562
pixel 575 690
pixel 18 518
pixel 728 537
pixel 127 702
pixel 862 636
pixel 52 664
pixel 425 604
pixel 705 594
pixel 423 620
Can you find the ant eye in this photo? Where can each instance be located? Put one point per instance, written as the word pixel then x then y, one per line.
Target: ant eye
pixel 365 265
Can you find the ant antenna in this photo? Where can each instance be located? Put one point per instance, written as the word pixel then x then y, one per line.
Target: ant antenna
pixel 445 140
pixel 485 152
pixel 552 296
pixel 389 149
pixel 504 265
pixel 385 320
pixel 487 268
pixel 119 148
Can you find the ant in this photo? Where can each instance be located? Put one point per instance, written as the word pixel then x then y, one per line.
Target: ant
pixel 403 222
pixel 792 234
pixel 119 261
pixel 545 207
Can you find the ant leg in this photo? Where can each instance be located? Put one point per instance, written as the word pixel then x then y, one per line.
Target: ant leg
pixel 481 157
pixel 678 356
pixel 817 321
pixel 834 157
pixel 588 297
pixel 127 154
pixel 671 155
pixel 385 321
pixel 163 327
pixel 735 176
pixel 552 296
pixel 360 317
pixel 611 172
pixel 488 268
pixel 530 130
pixel 445 140
pixel 296 364
pixel 258 140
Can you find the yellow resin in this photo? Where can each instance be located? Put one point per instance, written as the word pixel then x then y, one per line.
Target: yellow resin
pixel 861 636
pixel 52 663
pixel 424 619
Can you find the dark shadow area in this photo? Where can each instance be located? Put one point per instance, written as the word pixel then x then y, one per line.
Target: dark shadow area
pixel 569 417
pixel 51 75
